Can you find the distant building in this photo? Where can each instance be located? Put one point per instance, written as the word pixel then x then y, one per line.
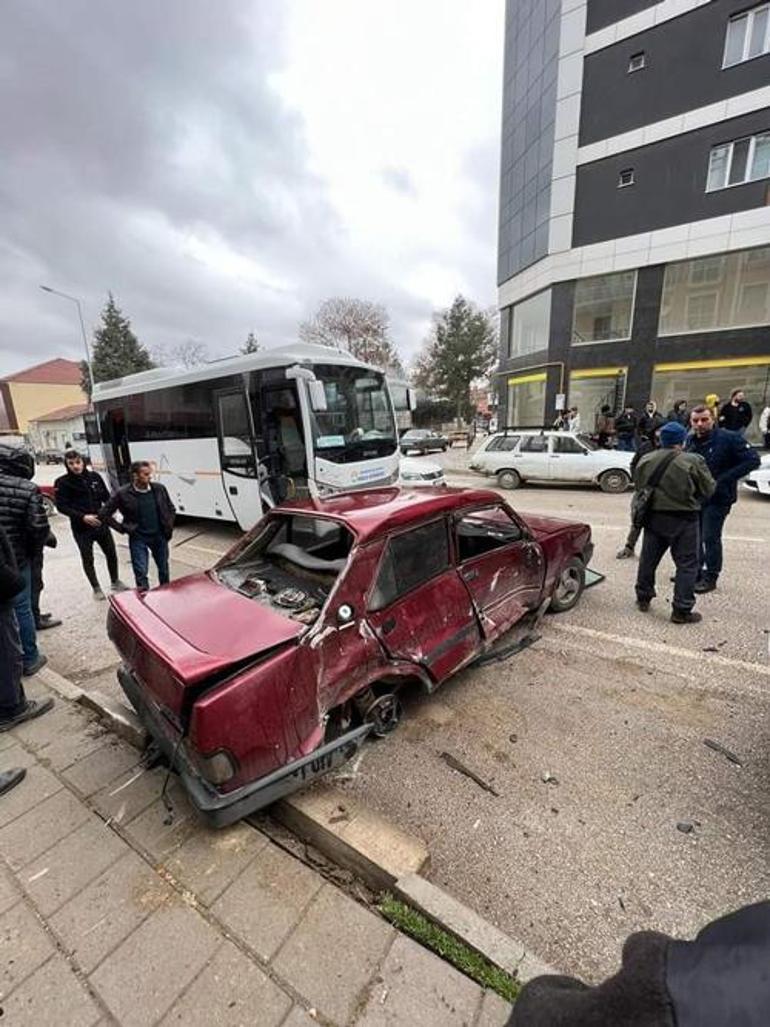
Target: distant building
pixel 634 237
pixel 59 429
pixel 37 390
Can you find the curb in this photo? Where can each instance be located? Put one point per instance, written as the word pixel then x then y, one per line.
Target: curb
pixel 117 717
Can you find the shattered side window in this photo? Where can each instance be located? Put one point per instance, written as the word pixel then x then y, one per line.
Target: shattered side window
pixel 410 559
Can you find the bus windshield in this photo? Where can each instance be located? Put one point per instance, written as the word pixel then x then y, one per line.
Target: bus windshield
pixel 358 422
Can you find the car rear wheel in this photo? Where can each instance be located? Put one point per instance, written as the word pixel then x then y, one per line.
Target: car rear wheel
pixel 569 587
pixel 614 481
pixel 508 479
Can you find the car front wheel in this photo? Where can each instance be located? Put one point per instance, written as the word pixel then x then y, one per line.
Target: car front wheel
pixel 614 481
pixel 569 587
pixel 508 479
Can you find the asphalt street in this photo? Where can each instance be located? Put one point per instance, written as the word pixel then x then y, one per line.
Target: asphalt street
pixel 593 740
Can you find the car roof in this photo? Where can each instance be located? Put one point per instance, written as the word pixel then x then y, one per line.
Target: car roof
pixel 374 512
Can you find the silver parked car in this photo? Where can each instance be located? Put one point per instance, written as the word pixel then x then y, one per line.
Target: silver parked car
pixel 515 456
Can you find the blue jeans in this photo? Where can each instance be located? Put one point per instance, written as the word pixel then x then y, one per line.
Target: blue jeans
pixel 140 547
pixel 626 443
pixel 712 519
pixel 22 604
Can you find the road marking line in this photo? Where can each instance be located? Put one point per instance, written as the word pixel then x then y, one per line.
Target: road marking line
pixel 661 647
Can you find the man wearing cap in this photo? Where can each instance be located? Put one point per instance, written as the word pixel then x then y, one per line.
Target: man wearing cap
pixel 672 523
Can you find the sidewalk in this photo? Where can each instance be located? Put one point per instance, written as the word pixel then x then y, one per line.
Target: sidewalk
pixel 110 915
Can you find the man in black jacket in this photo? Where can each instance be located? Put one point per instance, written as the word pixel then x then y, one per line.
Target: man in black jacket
pixel 15 708
pixel 729 457
pixel 23 518
pixel 80 495
pixel 148 520
pixel 625 426
pixel 736 414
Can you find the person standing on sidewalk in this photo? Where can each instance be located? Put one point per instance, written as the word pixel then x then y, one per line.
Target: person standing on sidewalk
pixel 625 426
pixel 683 483
pixel 729 457
pixel 736 414
pixel 764 426
pixel 15 708
pixel 148 519
pixel 23 518
pixel 649 421
pixel 80 495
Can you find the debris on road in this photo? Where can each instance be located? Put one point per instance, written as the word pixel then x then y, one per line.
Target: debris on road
pixel 713 648
pixel 548 778
pixel 457 765
pixel 725 752
pixel 685 826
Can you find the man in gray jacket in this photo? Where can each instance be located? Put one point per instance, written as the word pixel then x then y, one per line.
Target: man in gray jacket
pixel 673 520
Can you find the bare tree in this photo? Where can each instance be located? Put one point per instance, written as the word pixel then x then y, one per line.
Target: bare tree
pixel 189 353
pixel 358 326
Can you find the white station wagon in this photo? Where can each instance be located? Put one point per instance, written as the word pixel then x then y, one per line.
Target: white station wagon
pixel 515 456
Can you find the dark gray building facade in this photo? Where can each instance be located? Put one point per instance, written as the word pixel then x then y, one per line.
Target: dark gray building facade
pixel 634 236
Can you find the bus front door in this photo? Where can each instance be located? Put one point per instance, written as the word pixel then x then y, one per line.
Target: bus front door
pixel 115 447
pixel 237 455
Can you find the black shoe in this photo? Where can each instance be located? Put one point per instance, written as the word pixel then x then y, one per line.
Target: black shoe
pixel 685 617
pixel 48 621
pixel 33 668
pixel 34 708
pixel 625 553
pixel 643 605
pixel 10 778
pixel 706 585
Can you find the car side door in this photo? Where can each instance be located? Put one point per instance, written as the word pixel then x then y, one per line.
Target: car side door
pixel 531 458
pixel 502 567
pixel 569 460
pixel 418 607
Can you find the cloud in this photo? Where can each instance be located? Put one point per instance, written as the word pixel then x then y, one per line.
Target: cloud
pixel 224 167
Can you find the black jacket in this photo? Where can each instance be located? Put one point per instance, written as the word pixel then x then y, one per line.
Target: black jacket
pixel 720 978
pixel 729 457
pixel 649 423
pixel 125 500
pixel 78 495
pixel 11 582
pixel 735 417
pixel 625 424
pixel 22 514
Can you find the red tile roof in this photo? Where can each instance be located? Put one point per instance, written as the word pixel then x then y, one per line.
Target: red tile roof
pixel 52 372
pixel 63 413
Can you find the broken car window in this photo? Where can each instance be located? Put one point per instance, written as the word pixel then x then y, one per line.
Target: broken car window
pixel 484 530
pixel 409 560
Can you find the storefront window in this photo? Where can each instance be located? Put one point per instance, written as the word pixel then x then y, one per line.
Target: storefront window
pixel 526 401
pixel 714 293
pixel 531 325
pixel 672 382
pixel 604 308
pixel 590 393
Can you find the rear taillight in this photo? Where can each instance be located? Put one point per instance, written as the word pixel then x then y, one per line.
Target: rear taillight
pixel 217 767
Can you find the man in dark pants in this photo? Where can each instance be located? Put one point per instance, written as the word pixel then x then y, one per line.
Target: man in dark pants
pixel 148 519
pixel 80 495
pixel 23 518
pixel 42 620
pixel 15 707
pixel 729 457
pixel 673 520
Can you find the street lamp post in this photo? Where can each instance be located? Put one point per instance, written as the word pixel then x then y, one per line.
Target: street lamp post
pixel 76 301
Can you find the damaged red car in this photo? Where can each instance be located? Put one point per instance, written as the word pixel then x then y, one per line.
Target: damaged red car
pixel 269 670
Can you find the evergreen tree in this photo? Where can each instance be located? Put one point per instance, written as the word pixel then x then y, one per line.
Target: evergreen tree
pixel 251 345
pixel 461 348
pixel 116 350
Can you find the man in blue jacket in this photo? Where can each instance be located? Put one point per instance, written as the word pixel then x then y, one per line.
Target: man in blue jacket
pixel 729 457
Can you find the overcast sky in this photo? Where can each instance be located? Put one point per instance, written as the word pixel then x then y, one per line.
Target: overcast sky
pixel 224 165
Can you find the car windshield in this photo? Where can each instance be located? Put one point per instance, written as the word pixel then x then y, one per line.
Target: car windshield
pixel 587 441
pixel 416 433
pixel 358 422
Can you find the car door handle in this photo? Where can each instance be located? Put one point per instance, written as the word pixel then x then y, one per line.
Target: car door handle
pixel 388 625
pixel 470 575
pixel 233 490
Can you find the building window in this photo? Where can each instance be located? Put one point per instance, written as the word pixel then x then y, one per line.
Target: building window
pixel 531 325
pixel 745 160
pixel 625 178
pixel 604 308
pixel 636 62
pixel 589 391
pixel 737 293
pixel 526 401
pixel 748 36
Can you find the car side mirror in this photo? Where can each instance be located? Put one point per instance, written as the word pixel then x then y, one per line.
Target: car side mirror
pixel 345 614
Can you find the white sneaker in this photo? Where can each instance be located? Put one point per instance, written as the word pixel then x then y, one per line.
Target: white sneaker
pixel 118 586
pixel 98 594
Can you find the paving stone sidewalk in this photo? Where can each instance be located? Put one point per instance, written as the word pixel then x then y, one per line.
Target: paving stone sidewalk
pixel 111 915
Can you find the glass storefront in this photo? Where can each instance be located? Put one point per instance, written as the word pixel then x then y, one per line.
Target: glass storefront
pixel 694 381
pixel 590 390
pixel 531 325
pixel 730 290
pixel 526 401
pixel 604 308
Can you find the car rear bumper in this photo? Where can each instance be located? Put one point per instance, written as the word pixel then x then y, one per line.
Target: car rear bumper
pixel 219 809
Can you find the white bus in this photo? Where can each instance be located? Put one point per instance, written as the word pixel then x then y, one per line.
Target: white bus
pixel 230 437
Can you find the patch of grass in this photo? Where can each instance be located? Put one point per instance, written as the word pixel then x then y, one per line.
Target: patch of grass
pixel 449 948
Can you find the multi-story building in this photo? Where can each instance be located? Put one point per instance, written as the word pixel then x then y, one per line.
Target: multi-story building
pixel 634 240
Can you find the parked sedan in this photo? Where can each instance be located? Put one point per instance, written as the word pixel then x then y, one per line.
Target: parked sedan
pixel 759 480
pixel 415 473
pixel 260 675
pixel 514 457
pixel 423 440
